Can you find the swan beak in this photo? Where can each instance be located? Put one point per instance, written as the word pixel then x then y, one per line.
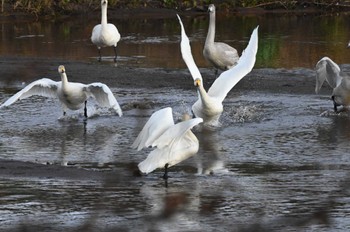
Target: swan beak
pixel 104 2
pixel 197 82
pixel 61 69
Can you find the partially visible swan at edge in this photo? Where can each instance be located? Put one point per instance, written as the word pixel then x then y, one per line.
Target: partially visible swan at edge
pixel 327 69
pixel 220 55
pixel 72 95
pixel 174 142
pixel 209 104
pixel 105 34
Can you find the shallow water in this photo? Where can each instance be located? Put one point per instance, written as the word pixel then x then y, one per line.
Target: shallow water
pixel 279 161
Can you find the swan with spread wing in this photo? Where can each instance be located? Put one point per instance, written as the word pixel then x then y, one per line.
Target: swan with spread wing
pixel 209 104
pixel 174 142
pixel 72 95
pixel 328 70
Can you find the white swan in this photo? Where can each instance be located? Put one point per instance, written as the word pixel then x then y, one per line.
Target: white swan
pixel 220 55
pixel 174 142
pixel 72 95
pixel 209 105
pixel 327 69
pixel 105 34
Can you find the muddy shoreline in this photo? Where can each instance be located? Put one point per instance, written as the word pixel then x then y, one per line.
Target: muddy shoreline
pixel 298 80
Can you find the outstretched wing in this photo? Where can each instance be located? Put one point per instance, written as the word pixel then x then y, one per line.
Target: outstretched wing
pixel 169 145
pixel 159 122
pixel 43 87
pixel 228 79
pixel 187 54
pixel 327 69
pixel 175 132
pixel 103 96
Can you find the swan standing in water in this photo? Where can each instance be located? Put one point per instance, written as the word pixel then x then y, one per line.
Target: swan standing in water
pixel 327 69
pixel 105 34
pixel 209 104
pixel 72 95
pixel 174 142
pixel 221 55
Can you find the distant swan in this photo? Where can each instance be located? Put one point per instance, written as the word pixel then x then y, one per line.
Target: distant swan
pixel 105 34
pixel 327 69
pixel 174 142
pixel 72 95
pixel 221 55
pixel 209 104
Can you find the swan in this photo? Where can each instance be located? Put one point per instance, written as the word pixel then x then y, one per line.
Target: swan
pixel 72 95
pixel 174 142
pixel 105 34
pixel 209 104
pixel 221 55
pixel 327 69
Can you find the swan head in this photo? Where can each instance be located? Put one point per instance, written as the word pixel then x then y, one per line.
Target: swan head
pixel 104 2
pixel 197 82
pixel 61 69
pixel 211 8
pixel 186 117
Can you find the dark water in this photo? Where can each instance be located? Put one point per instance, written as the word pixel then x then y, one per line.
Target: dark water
pixel 280 161
pixel 285 40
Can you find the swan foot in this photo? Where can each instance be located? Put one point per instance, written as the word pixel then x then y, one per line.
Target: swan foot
pixel 335 105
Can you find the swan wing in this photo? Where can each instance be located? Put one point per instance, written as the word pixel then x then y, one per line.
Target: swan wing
pixel 170 148
pixel 187 54
pixel 327 69
pixel 228 79
pixel 159 122
pixel 175 132
pixel 154 160
pixel 103 96
pixel 43 87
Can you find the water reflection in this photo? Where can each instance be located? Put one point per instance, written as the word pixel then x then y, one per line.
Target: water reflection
pixel 285 40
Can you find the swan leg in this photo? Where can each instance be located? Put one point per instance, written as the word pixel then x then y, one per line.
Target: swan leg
pixel 335 105
pixel 99 55
pixel 165 176
pixel 85 110
pixel 115 52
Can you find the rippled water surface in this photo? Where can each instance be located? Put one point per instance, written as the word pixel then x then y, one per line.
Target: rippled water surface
pixel 280 160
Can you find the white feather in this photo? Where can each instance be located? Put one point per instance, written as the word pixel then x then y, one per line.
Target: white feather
pixel 209 105
pixel 72 95
pixel 174 142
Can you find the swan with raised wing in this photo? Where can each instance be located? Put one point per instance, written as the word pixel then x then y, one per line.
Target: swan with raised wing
pixel 209 104
pixel 174 142
pixel 72 95
pixel 328 70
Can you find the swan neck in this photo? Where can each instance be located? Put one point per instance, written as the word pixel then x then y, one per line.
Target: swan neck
pixel 202 93
pixel 104 15
pixel 64 79
pixel 211 30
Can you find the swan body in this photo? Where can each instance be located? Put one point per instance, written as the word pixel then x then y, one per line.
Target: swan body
pixel 105 34
pixel 209 104
pixel 71 95
pixel 221 55
pixel 328 70
pixel 174 142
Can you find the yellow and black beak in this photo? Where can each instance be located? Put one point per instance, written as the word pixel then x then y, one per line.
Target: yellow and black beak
pixel 197 82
